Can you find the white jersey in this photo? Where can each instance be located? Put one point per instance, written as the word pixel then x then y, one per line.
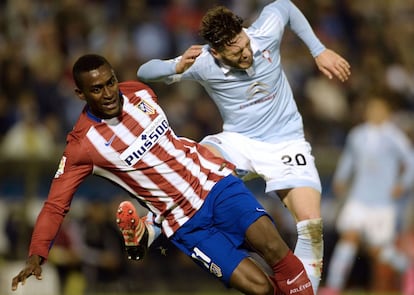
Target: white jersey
pixel 257 102
pixel 373 158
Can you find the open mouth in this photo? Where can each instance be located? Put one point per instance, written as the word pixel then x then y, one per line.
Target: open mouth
pixel 111 104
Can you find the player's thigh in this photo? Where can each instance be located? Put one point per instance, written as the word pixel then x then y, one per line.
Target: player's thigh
pixel 285 165
pixel 231 146
pixel 232 211
pixel 303 202
pixel 351 236
pixel 211 250
pixel 352 217
pixel 270 245
pixel 380 226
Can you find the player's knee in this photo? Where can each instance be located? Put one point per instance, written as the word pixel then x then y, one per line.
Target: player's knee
pixel 307 215
pixel 311 229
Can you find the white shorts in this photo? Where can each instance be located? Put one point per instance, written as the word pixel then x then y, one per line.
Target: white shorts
pixel 377 226
pixel 282 165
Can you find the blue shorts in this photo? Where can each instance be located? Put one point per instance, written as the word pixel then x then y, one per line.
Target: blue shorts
pixel 215 235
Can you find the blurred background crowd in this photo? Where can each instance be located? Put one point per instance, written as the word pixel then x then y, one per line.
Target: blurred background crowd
pixel 40 40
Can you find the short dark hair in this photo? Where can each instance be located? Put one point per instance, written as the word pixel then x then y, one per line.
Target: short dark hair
pixel 86 63
pixel 220 26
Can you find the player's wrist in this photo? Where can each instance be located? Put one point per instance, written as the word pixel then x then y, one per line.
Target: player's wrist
pixel 35 259
pixel 179 68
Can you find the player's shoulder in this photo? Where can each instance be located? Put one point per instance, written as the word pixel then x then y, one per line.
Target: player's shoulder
pixel 132 86
pixel 204 60
pixel 267 27
pixel 136 90
pixel 358 132
pixel 81 127
pixel 205 66
pixel 396 133
pixel 205 51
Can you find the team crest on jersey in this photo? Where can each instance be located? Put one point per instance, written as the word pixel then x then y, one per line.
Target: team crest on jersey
pixel 266 55
pixel 145 107
pixel 61 167
pixel 257 88
pixel 216 270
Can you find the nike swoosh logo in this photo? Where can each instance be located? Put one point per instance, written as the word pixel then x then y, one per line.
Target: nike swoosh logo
pixel 109 142
pixel 290 282
pixel 260 209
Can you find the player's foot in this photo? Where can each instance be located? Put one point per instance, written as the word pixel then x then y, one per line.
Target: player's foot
pixel 138 232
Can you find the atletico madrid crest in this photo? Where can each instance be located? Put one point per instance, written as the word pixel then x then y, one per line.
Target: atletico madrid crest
pixel 146 107
pixel 216 270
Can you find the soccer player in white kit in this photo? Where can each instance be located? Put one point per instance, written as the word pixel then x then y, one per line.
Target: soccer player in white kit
pixel 369 175
pixel 240 68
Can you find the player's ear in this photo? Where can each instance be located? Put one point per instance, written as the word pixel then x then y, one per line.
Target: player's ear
pixel 214 53
pixel 79 93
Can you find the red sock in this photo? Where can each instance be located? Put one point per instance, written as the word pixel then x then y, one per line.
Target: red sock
pixel 290 276
pixel 275 287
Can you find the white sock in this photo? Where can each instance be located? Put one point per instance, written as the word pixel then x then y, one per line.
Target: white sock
pixel 340 265
pixel 395 258
pixel 153 230
pixel 309 249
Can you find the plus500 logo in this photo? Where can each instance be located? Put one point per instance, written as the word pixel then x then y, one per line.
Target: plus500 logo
pixel 145 141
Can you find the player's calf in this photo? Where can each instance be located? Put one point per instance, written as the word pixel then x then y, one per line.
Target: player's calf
pixel 290 277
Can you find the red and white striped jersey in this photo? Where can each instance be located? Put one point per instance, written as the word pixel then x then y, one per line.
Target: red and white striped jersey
pixel 138 151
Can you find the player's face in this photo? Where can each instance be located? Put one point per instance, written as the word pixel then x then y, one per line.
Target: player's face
pixel 377 111
pixel 101 92
pixel 239 54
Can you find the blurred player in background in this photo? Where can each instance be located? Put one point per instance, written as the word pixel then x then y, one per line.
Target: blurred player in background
pixel 375 168
pixel 263 131
pixel 124 136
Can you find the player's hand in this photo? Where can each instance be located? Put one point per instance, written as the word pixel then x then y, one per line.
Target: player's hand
pixel 32 268
pixel 339 189
pixel 188 58
pixel 332 64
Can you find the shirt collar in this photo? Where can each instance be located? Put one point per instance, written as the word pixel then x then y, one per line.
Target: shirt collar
pixel 92 116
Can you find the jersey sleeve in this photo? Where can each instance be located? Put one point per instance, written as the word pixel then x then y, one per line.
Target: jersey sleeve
pixel 297 22
pixel 344 168
pixel 405 151
pixel 157 70
pixel 129 88
pixel 74 167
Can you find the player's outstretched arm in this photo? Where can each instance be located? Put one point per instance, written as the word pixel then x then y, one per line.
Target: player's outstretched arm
pixel 32 268
pixel 158 70
pixel 332 64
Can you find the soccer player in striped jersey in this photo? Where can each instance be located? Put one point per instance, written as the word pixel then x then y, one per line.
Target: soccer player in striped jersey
pixel 124 136
pixel 240 68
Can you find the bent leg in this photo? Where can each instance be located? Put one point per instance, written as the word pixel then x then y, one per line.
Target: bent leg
pixel 342 260
pixel 304 205
pixel 288 272
pixel 249 278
